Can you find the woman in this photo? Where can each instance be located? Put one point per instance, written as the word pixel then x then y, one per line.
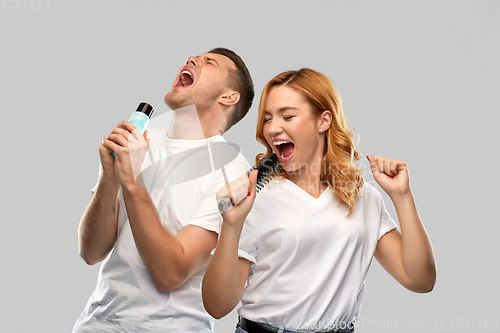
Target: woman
pixel 306 246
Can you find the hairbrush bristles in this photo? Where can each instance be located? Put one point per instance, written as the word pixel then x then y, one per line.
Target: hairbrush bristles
pixel 268 168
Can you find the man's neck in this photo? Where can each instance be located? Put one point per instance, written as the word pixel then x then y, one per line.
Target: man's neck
pixel 187 125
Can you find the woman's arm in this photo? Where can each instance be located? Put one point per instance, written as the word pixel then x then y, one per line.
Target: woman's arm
pixel 226 274
pixel 225 278
pixel 406 255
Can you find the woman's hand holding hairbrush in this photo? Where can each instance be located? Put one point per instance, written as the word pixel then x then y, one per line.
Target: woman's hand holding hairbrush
pixel 233 193
pixel 236 191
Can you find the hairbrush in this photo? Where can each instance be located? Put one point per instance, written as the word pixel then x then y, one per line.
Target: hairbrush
pixel 268 167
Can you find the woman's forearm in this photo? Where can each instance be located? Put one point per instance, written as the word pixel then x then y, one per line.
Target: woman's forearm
pixel 417 254
pixel 221 283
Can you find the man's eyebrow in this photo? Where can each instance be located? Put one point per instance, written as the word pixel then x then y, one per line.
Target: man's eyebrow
pixel 208 59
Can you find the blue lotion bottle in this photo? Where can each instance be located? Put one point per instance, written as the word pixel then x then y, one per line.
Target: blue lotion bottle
pixel 140 118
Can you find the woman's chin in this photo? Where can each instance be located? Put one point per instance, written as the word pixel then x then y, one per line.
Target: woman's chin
pixel 289 166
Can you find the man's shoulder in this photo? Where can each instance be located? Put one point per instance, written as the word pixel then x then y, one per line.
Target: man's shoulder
pixel 227 155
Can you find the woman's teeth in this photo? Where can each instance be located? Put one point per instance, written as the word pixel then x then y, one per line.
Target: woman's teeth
pixel 281 149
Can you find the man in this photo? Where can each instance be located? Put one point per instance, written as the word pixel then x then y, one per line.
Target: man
pixel 153 217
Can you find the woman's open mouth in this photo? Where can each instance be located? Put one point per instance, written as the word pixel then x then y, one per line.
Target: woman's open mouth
pixel 285 149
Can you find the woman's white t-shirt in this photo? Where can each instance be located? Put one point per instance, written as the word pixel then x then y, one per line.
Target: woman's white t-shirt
pixel 309 259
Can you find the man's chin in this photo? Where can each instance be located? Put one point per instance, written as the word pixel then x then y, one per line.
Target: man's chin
pixel 172 102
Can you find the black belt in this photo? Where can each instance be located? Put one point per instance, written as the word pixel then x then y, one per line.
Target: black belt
pixel 253 327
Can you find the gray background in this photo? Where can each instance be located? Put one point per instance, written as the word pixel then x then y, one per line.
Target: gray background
pixel 419 81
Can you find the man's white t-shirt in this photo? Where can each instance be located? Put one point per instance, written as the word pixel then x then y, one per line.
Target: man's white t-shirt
pixel 309 259
pixel 182 178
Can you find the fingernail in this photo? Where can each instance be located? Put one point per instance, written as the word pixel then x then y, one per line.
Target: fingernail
pixel 248 194
pixel 368 158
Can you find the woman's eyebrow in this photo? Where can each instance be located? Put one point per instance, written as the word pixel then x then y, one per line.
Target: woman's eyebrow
pixel 283 109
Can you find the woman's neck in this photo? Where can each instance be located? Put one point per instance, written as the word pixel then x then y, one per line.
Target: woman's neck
pixel 309 179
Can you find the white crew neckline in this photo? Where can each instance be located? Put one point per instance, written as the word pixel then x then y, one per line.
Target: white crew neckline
pixel 190 143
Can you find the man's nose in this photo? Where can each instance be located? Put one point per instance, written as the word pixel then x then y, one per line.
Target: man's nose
pixel 192 61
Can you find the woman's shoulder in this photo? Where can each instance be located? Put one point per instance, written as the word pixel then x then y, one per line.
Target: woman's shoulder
pixel 369 192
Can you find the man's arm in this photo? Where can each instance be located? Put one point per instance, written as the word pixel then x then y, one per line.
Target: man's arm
pixel 98 226
pixel 169 260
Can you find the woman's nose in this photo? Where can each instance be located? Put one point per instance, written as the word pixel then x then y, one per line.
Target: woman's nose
pixel 274 127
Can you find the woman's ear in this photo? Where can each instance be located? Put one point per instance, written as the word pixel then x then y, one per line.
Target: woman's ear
pixel 230 97
pixel 325 121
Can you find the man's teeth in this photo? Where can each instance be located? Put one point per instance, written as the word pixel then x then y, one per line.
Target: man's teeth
pixel 182 77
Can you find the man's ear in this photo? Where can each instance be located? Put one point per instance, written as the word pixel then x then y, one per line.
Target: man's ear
pixel 230 97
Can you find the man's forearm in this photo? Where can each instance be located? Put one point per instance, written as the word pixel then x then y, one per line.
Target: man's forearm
pixel 98 225
pixel 161 253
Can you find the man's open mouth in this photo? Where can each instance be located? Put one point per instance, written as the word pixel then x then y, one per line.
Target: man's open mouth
pixel 185 79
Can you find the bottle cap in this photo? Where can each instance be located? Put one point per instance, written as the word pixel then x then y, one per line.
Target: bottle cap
pixel 146 109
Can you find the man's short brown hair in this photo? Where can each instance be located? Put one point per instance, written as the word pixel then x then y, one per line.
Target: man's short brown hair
pixel 239 80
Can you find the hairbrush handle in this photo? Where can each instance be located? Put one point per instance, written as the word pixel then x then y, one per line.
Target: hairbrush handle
pixel 224 204
pixel 233 193
pixel 238 190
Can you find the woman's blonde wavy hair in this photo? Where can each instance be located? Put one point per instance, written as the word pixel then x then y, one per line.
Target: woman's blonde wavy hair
pixel 338 168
